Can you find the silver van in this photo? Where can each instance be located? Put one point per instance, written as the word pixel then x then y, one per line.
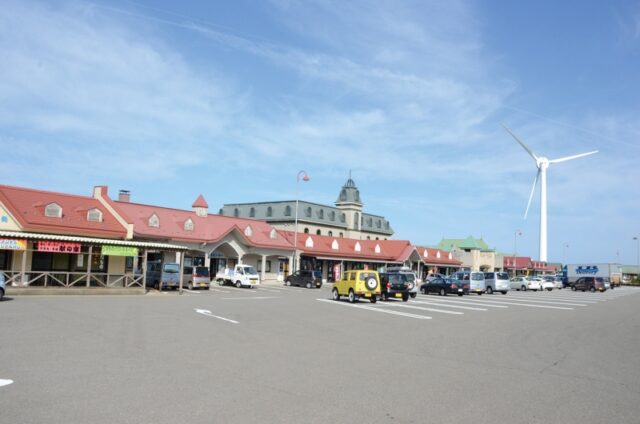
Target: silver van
pixel 496 281
pixel 474 278
pixel 196 277
pixel 163 275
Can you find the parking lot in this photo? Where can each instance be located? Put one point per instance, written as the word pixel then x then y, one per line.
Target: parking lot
pixel 287 355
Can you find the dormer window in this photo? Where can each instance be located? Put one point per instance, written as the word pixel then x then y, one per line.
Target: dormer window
pixel 94 215
pixel 335 245
pixel 332 215
pixel 287 211
pixel 252 212
pixel 357 247
pixel 269 211
pixel 188 225
pixel 248 231
pixel 377 250
pixel 53 210
pixel 309 243
pixel 273 234
pixel 154 221
pixel 307 212
pixel 321 214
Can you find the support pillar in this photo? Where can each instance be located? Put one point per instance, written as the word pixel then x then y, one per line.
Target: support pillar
pixel 180 256
pixel 144 270
pixel 89 265
pixel 264 268
pixel 23 269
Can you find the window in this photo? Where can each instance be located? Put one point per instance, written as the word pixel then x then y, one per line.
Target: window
pixel 94 215
pixel 343 217
pixel 330 233
pixel 341 234
pixel 307 212
pixel 370 222
pixel 318 232
pixel 252 212
pixel 332 215
pixel 379 224
pixel 356 220
pixel 154 221
pixel 248 231
pixel 321 214
pixel 53 210
pixel 306 231
pixel 188 225
pixel 273 234
pixel 269 211
pixel 287 211
pixel 236 212
pixel 368 237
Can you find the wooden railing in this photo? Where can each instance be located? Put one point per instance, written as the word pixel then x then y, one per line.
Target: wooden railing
pixel 71 279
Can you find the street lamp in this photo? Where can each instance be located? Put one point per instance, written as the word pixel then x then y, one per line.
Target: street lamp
pixel 515 250
pixel 305 178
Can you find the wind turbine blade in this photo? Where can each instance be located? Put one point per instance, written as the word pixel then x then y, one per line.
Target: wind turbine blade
pixel 572 157
pixel 524 146
pixel 533 188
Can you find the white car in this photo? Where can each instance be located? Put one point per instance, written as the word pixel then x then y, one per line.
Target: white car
pixel 558 283
pixel 548 283
pixel 535 284
pixel 519 283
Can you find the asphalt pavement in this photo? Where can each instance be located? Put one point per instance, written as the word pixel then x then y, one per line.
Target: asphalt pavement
pixel 289 355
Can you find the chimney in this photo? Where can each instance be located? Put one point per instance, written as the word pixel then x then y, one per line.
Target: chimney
pixel 124 196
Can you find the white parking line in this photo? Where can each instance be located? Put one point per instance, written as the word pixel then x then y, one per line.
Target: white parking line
pixel 192 291
pixel 470 308
pixel 442 311
pixel 5 382
pixel 550 302
pixel 208 313
pixel 250 298
pixel 461 302
pixel 370 308
pixel 499 302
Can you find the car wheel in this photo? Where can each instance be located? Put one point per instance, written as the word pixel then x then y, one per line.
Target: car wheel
pixel 221 282
pixel 335 295
pixel 573 288
pixel 592 289
pixel 373 299
pixel 190 285
pixel 413 295
pixel 424 291
pixel 405 297
pixel 371 283
pixel 489 290
pixel 238 284
pixel 460 294
pixel 503 292
pixel 156 285
pixel 1 294
pixel 523 288
pixel 443 292
pixel 352 296
pixel 287 283
pixel 384 296
pixel 308 285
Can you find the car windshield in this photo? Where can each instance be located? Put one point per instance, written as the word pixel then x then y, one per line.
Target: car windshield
pixel 502 276
pixel 171 268
pixel 249 270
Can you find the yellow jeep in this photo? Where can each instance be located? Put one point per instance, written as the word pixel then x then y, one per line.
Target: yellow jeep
pixel 356 284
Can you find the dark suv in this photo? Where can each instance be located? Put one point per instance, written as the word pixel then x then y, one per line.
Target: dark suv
pixel 395 285
pixel 304 278
pixel 588 283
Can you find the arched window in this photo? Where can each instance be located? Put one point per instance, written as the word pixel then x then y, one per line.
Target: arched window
pixel 306 231
pixel 252 212
pixel 236 212
pixel 341 235
pixel 343 217
pixel 94 215
pixel 269 211
pixel 356 220
pixel 368 237
pixel 330 233
pixel 53 210
pixel 188 225
pixel 332 215
pixel 321 214
pixel 318 232
pixel 248 231
pixel 370 222
pixel 307 212
pixel 154 221
pixel 378 223
pixel 287 211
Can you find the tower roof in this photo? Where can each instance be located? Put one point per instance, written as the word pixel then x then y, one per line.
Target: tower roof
pixel 349 193
pixel 200 203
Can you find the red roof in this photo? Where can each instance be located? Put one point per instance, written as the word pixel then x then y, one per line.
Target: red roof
pixel 207 229
pixel 27 206
pixel 521 262
pixel 200 203
pixel 345 248
pixel 431 256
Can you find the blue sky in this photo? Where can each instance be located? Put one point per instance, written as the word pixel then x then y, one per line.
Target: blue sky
pixel 232 98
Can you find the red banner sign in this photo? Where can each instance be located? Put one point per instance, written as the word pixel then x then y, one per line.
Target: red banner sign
pixel 58 246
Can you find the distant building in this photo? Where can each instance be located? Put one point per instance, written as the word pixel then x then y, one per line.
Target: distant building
pixel 345 220
pixel 474 254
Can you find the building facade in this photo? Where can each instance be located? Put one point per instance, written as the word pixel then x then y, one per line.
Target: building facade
pixel 344 220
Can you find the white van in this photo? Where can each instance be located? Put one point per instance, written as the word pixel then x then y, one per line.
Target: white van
pixel 496 281
pixel 474 278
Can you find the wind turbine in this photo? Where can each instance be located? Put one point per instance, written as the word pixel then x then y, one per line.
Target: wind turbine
pixel 542 163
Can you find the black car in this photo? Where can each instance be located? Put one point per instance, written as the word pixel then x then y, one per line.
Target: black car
pixel 444 286
pixel 395 285
pixel 589 283
pixel 306 279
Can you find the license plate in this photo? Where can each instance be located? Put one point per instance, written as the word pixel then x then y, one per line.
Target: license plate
pixel 459 290
pixel 201 284
pixel 398 294
pixel 367 295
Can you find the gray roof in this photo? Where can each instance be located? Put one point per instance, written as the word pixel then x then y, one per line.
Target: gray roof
pixel 349 194
pixel 284 211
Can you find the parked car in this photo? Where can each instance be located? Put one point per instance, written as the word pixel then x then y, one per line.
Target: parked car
pixel 519 283
pixel 357 284
pixel 558 283
pixel 2 286
pixel 496 281
pixel 535 284
pixel 434 275
pixel 473 278
pixel 305 278
pixel 588 283
pixel 162 276
pixel 409 275
pixel 395 285
pixel 444 286
pixel 196 277
pixel 548 283
pixel 607 283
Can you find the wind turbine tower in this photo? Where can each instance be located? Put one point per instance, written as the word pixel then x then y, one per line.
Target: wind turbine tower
pixel 542 163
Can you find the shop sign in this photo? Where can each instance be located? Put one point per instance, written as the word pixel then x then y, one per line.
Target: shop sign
pixel 111 250
pixel 58 246
pixel 11 244
pixel 336 272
